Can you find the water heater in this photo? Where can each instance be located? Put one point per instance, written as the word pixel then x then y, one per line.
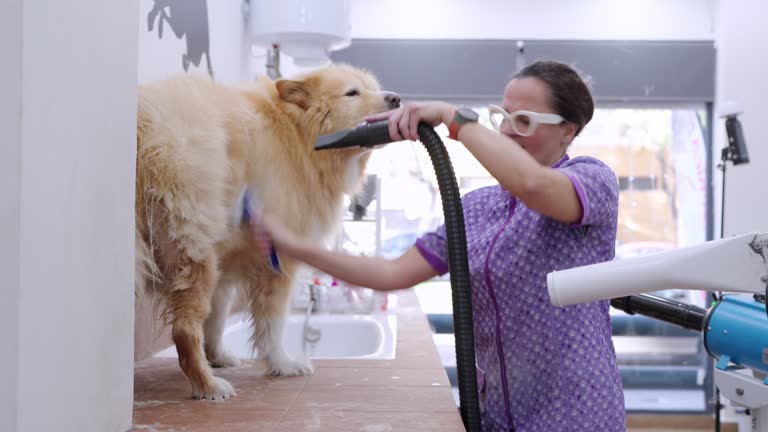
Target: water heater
pixel 306 30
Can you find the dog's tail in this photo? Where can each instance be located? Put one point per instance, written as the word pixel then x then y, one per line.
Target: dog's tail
pixel 148 274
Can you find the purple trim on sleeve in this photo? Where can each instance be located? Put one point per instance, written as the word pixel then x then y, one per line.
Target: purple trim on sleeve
pixel 435 261
pixel 582 197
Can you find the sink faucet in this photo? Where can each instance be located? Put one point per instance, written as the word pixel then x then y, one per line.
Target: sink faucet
pixel 310 335
pixel 316 294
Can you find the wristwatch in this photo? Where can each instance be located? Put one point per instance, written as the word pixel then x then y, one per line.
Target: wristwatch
pixel 463 115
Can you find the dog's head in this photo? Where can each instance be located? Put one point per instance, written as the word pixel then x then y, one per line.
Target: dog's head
pixel 335 98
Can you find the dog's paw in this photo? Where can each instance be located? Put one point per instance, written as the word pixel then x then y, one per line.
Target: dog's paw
pixel 217 389
pixel 224 359
pixel 289 367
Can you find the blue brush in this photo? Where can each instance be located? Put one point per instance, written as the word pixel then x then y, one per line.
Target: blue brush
pixel 249 207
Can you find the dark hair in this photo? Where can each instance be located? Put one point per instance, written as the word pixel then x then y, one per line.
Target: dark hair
pixel 571 97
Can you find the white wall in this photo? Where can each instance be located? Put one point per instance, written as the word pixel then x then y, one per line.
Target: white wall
pixel 160 57
pixel 67 166
pixel 537 19
pixel 741 65
pixel 522 19
pixel 10 165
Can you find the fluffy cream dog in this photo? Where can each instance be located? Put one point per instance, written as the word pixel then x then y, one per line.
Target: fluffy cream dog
pixel 199 144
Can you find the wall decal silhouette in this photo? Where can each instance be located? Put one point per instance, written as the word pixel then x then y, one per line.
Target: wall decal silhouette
pixel 187 19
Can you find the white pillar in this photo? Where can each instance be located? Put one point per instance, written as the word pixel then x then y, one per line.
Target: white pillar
pixel 67 162
pixel 741 62
pixel 10 165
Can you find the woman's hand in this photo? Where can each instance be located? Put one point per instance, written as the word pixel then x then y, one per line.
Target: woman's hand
pixel 268 232
pixel 403 121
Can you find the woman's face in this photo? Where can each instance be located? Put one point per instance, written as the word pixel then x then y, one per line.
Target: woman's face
pixel 548 142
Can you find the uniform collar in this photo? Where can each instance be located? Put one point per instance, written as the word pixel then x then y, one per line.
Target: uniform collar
pixel 561 161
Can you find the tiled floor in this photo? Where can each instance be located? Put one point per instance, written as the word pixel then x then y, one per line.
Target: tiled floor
pixel 162 401
pixel 408 393
pixel 334 398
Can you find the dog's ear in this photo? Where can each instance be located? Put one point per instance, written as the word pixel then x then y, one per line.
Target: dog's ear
pixel 295 92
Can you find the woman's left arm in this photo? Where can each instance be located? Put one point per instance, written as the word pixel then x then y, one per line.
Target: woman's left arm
pixel 541 188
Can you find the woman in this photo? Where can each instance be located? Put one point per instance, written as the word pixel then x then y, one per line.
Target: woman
pixel 540 367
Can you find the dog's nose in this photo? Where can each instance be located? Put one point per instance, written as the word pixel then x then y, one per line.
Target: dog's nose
pixel 392 99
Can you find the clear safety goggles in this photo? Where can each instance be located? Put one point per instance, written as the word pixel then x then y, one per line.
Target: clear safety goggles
pixel 524 123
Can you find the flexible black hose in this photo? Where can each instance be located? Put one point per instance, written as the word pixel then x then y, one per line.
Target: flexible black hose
pixel 459 272
pixel 682 314
pixel 377 133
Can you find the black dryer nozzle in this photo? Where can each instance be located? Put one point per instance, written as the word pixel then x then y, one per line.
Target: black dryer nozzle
pixel 362 135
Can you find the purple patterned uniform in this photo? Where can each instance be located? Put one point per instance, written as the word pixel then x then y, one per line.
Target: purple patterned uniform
pixel 541 368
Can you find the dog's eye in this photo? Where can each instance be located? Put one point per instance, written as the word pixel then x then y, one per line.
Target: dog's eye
pixel 352 92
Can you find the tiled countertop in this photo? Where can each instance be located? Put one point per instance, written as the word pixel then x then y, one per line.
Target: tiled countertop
pixel 408 393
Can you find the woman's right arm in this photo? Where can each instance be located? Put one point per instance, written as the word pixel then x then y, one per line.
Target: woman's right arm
pixel 371 272
pixel 377 273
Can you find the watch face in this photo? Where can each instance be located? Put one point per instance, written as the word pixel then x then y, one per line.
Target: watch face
pixel 468 114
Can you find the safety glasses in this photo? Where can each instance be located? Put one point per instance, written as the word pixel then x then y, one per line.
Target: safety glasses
pixel 524 123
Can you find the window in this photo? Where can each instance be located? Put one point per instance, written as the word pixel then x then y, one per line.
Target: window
pixel 659 156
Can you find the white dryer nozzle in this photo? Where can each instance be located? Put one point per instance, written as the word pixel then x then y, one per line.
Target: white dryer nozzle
pixel 734 264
